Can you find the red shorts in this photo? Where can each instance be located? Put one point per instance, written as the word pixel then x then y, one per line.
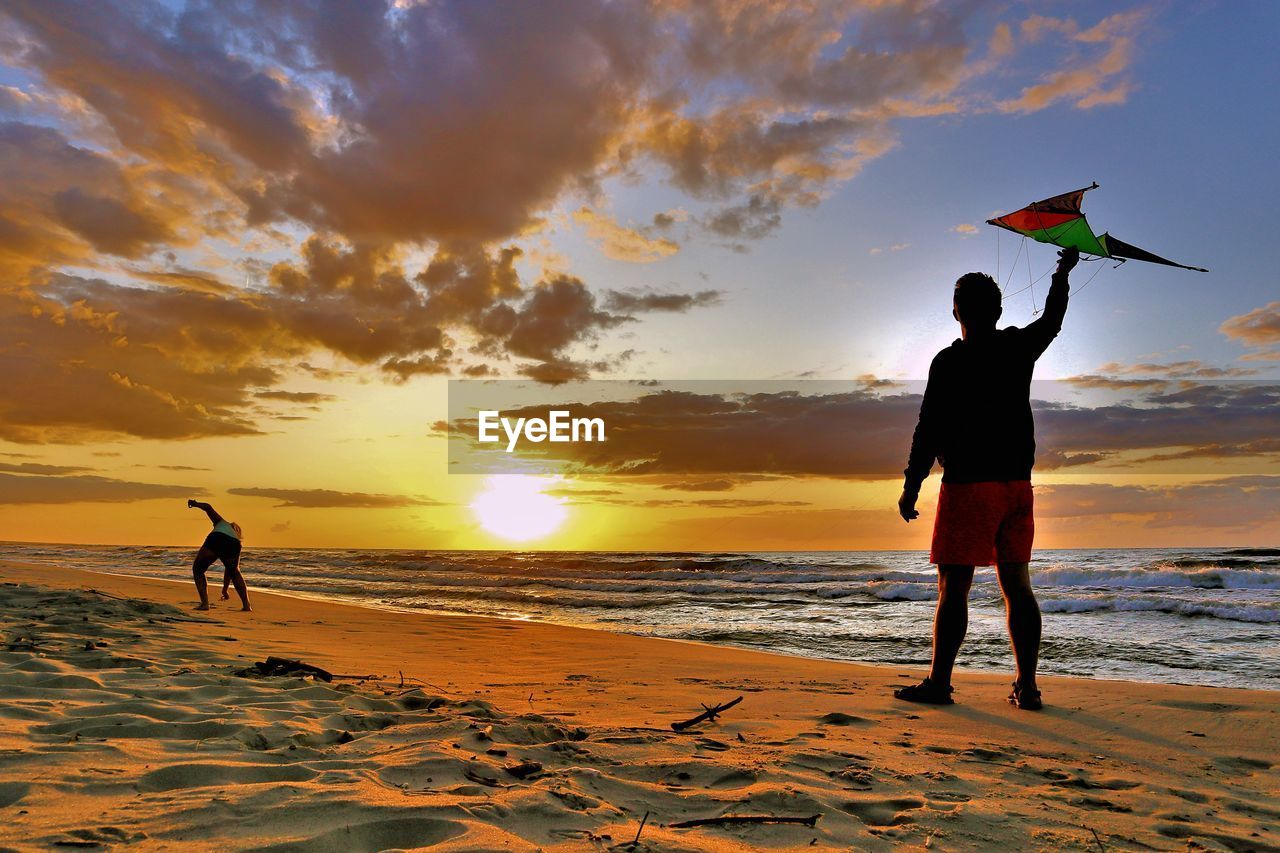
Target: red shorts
pixel 983 523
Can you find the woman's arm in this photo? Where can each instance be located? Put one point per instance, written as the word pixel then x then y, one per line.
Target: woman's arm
pixel 209 510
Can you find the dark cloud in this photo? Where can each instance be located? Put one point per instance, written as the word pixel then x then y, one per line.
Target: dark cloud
pixel 1229 502
pixel 1200 414
pixel 16 489
pixel 88 359
pixel 41 468
pixel 630 302
pixel 318 498
pixel 93 358
pixel 719 484
pixel 109 225
pixel 60 202
pixel 294 396
pixel 713 440
pixel 681 433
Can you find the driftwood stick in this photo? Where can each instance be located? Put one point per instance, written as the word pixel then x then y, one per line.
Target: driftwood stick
pixel 733 819
pixel 298 666
pixel 404 678
pixel 708 714
pixel 636 840
pixel 274 666
pixel 109 595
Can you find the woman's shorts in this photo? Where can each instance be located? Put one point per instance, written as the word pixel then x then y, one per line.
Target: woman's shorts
pixel 983 523
pixel 226 547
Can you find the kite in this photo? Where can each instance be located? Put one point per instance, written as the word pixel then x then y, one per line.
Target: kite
pixel 1059 221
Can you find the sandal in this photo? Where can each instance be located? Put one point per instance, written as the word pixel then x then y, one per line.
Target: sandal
pixel 1025 699
pixel 926 692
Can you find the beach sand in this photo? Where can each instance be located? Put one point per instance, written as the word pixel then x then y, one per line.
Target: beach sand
pixel 121 724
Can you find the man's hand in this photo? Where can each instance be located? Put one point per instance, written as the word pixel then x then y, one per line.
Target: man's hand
pixel 225 595
pixel 1067 260
pixel 907 506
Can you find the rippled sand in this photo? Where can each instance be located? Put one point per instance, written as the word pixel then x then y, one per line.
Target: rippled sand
pixel 121 724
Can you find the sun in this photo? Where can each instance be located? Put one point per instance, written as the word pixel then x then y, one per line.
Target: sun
pixel 516 507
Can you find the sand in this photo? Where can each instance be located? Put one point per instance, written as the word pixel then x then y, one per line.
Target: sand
pixel 122 725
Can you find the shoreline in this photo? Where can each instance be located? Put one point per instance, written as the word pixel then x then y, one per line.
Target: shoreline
pixel 376 608
pixel 922 551
pixel 123 721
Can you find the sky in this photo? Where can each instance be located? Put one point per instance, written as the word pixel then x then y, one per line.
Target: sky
pixel 245 248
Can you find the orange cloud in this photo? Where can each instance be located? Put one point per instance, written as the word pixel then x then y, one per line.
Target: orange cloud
pixel 1258 328
pixel 1089 81
pixel 621 243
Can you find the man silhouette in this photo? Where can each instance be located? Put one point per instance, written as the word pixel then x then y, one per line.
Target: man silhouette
pixel 975 419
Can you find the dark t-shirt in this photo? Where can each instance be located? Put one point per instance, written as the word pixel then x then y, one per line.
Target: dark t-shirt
pixel 975 417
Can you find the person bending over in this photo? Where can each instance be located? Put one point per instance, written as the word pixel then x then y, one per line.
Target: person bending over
pixel 975 419
pixel 222 543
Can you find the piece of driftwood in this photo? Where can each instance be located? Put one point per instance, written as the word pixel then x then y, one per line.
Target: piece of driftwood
pixel 709 713
pixel 734 819
pixel 273 667
pixel 109 595
pixel 639 830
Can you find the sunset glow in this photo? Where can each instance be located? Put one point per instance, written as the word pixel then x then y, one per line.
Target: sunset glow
pixel 516 507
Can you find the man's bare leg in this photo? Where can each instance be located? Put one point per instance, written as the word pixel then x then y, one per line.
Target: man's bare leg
pixel 242 590
pixel 232 575
pixel 203 560
pixel 1023 613
pixel 950 620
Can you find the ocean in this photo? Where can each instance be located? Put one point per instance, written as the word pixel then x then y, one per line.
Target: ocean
pixel 1184 616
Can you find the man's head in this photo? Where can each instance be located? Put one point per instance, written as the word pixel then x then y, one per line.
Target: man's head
pixel 977 301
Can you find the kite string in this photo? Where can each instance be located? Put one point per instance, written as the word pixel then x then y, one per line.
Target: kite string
pixel 1022 289
pixel 1032 287
pixel 1014 265
pixel 1090 278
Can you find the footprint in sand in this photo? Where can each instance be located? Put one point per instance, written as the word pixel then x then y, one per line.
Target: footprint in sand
pixel 12 792
pixel 1083 781
pixel 1189 796
pixel 836 718
pixel 183 776
pixel 735 779
pixel 1241 764
pixel 1101 804
pixel 393 833
pixel 100 837
pixel 881 811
